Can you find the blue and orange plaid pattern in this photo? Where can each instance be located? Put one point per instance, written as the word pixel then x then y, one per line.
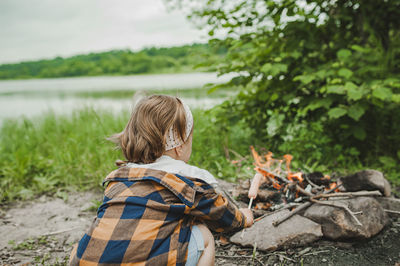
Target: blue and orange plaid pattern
pixel 146 218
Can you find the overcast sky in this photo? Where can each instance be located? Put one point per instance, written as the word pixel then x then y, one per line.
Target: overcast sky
pixel 38 29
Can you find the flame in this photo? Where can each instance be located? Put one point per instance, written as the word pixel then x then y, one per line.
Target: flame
pixel 298 176
pixel 276 185
pixel 256 157
pixel 270 167
pixel 326 177
pixel 288 159
pixel 270 176
pixel 333 185
pixel 268 159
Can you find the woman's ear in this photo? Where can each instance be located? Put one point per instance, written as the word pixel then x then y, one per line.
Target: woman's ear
pixel 178 151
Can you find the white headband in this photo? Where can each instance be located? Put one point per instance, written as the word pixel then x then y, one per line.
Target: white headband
pixel 171 139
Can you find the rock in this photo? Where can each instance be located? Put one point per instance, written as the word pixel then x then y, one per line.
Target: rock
pixel 338 224
pixel 390 204
pixel 387 190
pixel 296 231
pixel 366 180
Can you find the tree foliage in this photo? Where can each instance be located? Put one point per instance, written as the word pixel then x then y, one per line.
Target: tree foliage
pixel 320 79
pixel 117 62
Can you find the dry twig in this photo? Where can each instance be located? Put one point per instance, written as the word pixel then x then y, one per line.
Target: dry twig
pixel 390 211
pixel 340 205
pixel 301 207
pixel 282 207
pixel 312 183
pixel 331 190
pixel 229 197
pixel 349 194
pixel 60 232
pixel 301 190
pixel 290 214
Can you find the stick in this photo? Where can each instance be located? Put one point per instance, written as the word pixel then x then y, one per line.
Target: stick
pixel 349 194
pixel 290 214
pixel 300 208
pixel 229 197
pixel 282 207
pixel 316 252
pixel 332 189
pixel 340 205
pixel 313 184
pixel 60 232
pixel 300 189
pixel 287 258
pixel 390 211
pixel 250 203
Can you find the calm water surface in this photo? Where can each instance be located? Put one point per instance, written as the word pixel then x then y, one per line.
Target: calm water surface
pixel 30 98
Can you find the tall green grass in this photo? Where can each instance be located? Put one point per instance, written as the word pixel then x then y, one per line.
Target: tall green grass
pixel 58 153
pixel 55 154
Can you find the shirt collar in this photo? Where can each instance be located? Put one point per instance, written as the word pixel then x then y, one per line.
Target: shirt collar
pixel 179 185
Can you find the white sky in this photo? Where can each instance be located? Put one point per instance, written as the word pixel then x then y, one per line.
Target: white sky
pixel 39 29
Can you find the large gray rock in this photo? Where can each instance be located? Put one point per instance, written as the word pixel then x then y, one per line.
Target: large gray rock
pixel 390 204
pixel 337 223
pixel 366 180
pixel 296 231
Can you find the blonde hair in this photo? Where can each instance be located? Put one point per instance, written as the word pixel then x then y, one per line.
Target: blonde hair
pixel 143 139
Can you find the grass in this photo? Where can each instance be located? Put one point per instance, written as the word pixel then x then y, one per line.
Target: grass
pixel 55 154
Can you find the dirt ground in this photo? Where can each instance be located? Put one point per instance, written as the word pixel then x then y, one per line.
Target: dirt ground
pixel 42 233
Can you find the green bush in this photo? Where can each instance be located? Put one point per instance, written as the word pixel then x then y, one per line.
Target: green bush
pixel 318 79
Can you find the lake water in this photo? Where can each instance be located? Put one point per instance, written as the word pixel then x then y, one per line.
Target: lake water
pixel 30 98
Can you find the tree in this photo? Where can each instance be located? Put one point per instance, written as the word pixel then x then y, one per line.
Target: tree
pixel 317 78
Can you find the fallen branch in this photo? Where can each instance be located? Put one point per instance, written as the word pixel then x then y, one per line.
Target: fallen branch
pixel 339 205
pixel 229 197
pixel 315 252
pixel 284 257
pixel 304 192
pixel 331 190
pixel 301 207
pixel 390 211
pixel 228 257
pixel 290 214
pixel 283 207
pixel 60 232
pixel 312 183
pixel 349 194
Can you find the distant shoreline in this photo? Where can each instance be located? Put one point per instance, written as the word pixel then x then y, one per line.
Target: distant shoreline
pixel 178 59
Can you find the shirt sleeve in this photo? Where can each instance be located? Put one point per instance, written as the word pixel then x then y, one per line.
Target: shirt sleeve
pixel 216 211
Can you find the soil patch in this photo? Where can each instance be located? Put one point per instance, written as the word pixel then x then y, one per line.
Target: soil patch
pixel 43 232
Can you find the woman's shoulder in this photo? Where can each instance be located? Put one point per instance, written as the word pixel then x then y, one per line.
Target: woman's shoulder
pixel 197 172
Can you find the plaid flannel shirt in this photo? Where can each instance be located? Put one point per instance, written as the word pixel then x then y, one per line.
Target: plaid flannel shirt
pixel 146 218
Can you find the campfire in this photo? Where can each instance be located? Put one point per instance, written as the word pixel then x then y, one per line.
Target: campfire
pixel 294 208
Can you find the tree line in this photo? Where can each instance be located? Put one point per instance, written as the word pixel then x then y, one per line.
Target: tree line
pixel 117 62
